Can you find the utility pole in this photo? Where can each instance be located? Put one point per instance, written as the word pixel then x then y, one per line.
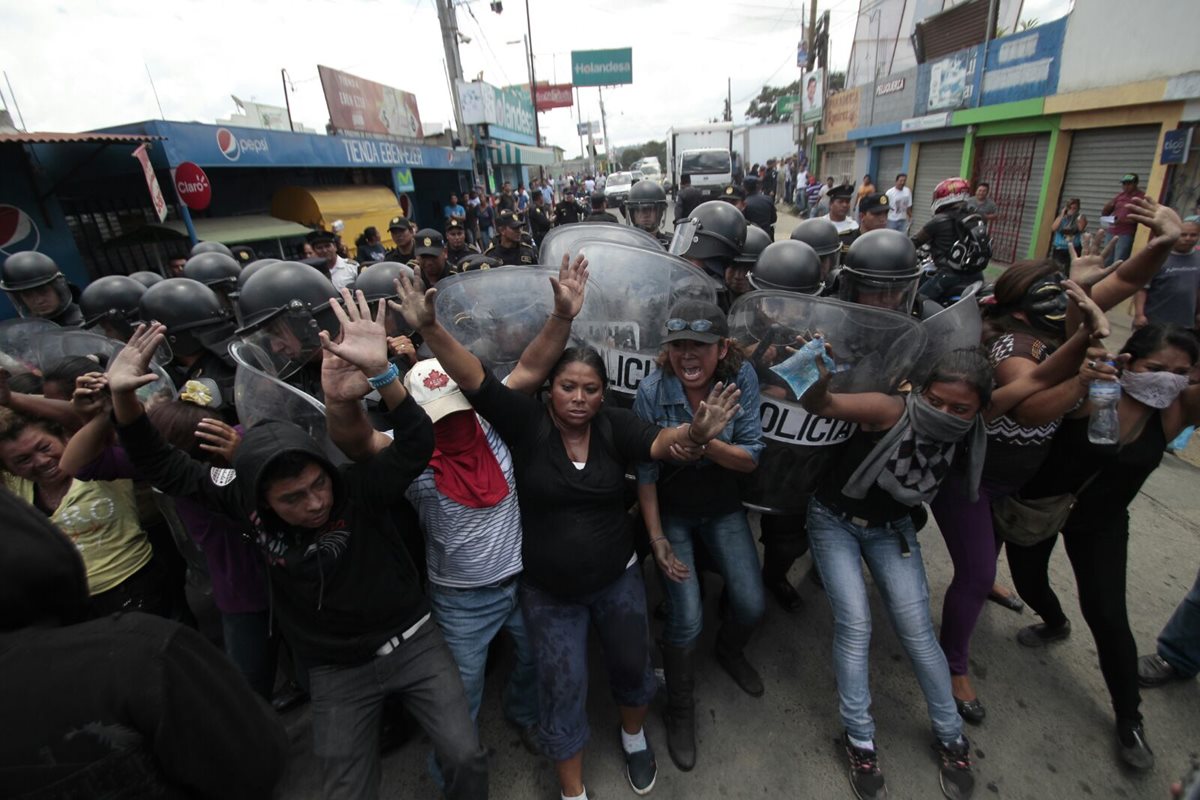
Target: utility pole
pixel 729 99
pixel 449 24
pixel 287 101
pixel 537 129
pixel 604 126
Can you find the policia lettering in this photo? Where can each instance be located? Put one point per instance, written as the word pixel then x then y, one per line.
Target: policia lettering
pixel 790 423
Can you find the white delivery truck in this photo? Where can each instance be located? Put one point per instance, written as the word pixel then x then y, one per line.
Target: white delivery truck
pixel 758 144
pixel 703 146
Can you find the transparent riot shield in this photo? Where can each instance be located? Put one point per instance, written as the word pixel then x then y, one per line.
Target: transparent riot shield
pixel 62 343
pixel 566 239
pixel 872 350
pixel 18 343
pixel 260 396
pixel 624 315
pixel 496 313
pixel 957 326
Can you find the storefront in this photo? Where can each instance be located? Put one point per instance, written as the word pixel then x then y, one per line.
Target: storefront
pixel 934 161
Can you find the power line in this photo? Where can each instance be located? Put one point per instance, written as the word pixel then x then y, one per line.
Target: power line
pixel 488 44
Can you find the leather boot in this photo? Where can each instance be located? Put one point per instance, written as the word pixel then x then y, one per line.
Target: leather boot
pixel 730 652
pixel 680 713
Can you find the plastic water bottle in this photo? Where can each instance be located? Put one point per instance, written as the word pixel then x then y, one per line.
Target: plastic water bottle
pixel 1104 427
pixel 800 369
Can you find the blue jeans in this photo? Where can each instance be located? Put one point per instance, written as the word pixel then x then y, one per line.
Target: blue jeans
pixel 252 650
pixel 839 546
pixel 898 225
pixel 1122 249
pixel 730 542
pixel 469 620
pixel 1179 642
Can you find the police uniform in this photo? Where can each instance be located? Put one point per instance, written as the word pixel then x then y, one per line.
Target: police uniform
pixel 566 212
pixel 847 228
pixel 455 257
pixel 522 254
pixel 539 221
pixel 394 254
pixel 735 195
pixel 429 242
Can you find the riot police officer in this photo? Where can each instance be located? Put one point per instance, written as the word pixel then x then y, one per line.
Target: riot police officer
pixel 540 219
pixel 509 247
pixel 759 208
pixel 198 331
pixel 147 278
pixel 402 237
pixel 431 256
pixel 788 266
pixel 378 282
pixel 217 271
pixel 112 304
pixel 737 273
pixel 210 247
pixel 567 210
pixel 37 288
pixel 717 238
pixel 821 235
pixel 645 208
pixel 456 242
pixel 881 270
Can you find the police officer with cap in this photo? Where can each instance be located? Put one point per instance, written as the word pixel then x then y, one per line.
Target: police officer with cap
pixel 198 330
pixel 600 212
pixel 541 218
pixel 402 237
pixel 567 210
pixel 112 304
pixel 431 256
pixel 646 207
pixel 479 261
pixel 508 246
pixel 37 288
pixel 456 242
pixel 736 196
pixel 340 271
pixel 839 215
pixel 760 209
pixel 873 212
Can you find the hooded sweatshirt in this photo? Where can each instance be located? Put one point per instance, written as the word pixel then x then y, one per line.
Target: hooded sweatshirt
pixel 339 592
pixel 129 705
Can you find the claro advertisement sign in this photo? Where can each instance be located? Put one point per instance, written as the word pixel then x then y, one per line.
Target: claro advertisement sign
pixel 357 104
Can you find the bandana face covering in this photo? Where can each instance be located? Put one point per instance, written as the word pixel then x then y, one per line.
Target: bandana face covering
pixel 464 467
pixel 1155 389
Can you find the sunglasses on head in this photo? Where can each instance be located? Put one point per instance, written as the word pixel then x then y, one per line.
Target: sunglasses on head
pixel 698 325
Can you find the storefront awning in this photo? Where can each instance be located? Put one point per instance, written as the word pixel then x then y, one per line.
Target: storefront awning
pixel 356 206
pixel 236 230
pixel 517 154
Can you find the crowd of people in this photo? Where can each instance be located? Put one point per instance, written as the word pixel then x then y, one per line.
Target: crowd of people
pixel 373 502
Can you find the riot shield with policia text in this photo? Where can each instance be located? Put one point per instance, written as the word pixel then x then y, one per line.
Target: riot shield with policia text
pixel 871 350
pixel 566 238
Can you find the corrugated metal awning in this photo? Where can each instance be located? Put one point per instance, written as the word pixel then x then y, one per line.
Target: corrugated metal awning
pixel 320 206
pixel 517 154
pixel 233 230
pixel 76 138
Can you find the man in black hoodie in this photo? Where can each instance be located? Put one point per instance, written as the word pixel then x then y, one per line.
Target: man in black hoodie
pixel 343 587
pixel 129 705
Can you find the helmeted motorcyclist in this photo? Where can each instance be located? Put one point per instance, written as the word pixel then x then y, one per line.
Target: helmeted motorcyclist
pixel 37 288
pixel 958 241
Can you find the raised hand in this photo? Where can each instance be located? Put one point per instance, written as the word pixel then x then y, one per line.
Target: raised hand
pixel 363 342
pixel 715 412
pixel 1093 317
pixel 402 346
pixel 218 438
pixel 415 304
pixel 1101 365
pixel 90 397
pixel 1161 219
pixel 129 369
pixel 1087 265
pixel 341 381
pixel 569 286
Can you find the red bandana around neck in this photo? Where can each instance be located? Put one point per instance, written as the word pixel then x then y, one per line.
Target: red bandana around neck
pixel 464 467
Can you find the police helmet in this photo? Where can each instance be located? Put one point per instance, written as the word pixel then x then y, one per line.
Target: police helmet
pixel 880 269
pixel 788 266
pixel 720 231
pixel 646 194
pixel 191 311
pixel 146 278
pixel 112 302
pixel 377 282
pixel 275 288
pixel 253 267
pixel 215 270
pixel 210 247
pixel 30 269
pixel 757 241
pixel 819 234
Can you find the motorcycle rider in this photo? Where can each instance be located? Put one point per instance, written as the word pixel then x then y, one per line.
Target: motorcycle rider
pixel 37 288
pixel 958 241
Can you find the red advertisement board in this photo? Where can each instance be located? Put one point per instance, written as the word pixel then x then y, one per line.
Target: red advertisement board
pixel 357 104
pixel 193 186
pixel 554 95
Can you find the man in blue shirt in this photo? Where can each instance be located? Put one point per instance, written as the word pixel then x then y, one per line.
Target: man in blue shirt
pixel 453 209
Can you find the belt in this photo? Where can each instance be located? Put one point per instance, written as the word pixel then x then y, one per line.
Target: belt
pixel 905 551
pixel 391 644
pixel 500 584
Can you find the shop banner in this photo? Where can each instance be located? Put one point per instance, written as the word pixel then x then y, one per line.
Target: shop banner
pixel 554 95
pixel 508 112
pixel 142 154
pixel 357 104
pixel 601 67
pixel 841 112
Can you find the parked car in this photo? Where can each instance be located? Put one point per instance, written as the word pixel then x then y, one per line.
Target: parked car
pixel 616 190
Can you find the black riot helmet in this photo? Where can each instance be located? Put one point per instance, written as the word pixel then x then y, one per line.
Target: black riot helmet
pixel 719 232
pixel 147 278
pixel 192 312
pixel 646 197
pixel 282 308
pixel 378 282
pixel 217 271
pixel 819 234
pixel 251 268
pixel 788 266
pixel 210 247
pixel 30 269
pixel 881 270
pixel 112 302
pixel 757 241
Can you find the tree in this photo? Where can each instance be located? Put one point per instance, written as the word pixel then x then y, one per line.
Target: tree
pixel 651 148
pixel 762 108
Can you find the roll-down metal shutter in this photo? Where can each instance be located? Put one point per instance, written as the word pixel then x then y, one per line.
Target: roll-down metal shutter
pixel 840 164
pixel 891 162
pixel 936 161
pixel 1098 160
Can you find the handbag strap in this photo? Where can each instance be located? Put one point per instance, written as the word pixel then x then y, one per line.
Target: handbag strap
pixel 1137 433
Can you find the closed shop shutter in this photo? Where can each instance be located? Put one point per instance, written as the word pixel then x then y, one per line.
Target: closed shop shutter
pixel 936 161
pixel 1013 167
pixel 838 162
pixel 1098 160
pixel 891 163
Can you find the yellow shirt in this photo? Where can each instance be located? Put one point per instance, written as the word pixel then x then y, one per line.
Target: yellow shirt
pixel 101 518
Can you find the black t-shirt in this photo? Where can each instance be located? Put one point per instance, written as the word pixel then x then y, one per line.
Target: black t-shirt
pixel 878 506
pixel 577 537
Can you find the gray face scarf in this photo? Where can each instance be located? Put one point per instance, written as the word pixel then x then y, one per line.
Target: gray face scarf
pixel 912 458
pixel 1155 389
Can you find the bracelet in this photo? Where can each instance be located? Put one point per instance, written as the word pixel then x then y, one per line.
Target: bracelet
pixel 557 315
pixel 692 440
pixel 654 539
pixel 384 378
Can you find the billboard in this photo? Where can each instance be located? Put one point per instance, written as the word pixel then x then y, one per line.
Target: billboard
pixel 508 112
pixel 601 67
pixel 357 104
pixel 812 95
pixel 841 112
pixel 556 95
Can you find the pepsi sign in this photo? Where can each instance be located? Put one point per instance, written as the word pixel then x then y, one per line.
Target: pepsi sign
pixel 232 147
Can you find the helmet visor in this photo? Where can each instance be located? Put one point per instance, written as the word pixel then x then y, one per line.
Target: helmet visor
pixel 685 232
pixel 647 216
pixel 894 295
pixel 47 300
pixel 289 340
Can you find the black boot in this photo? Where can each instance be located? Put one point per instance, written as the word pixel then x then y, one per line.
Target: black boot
pixel 730 652
pixel 680 713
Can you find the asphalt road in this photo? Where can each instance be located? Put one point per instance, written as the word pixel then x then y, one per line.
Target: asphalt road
pixel 1048 734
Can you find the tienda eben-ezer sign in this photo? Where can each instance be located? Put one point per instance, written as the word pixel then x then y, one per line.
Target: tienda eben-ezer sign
pixel 601 67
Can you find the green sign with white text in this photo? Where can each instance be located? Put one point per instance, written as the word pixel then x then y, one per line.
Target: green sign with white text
pixel 785 104
pixel 601 67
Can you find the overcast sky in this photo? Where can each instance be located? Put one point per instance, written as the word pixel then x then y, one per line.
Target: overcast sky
pixel 82 64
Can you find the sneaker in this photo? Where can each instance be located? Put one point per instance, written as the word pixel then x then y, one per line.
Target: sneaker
pixel 866 779
pixel 784 593
pixel 1133 747
pixel 640 768
pixel 954 771
pixel 1042 634
pixel 1154 671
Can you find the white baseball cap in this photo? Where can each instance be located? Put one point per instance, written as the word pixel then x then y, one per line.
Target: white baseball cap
pixel 434 390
